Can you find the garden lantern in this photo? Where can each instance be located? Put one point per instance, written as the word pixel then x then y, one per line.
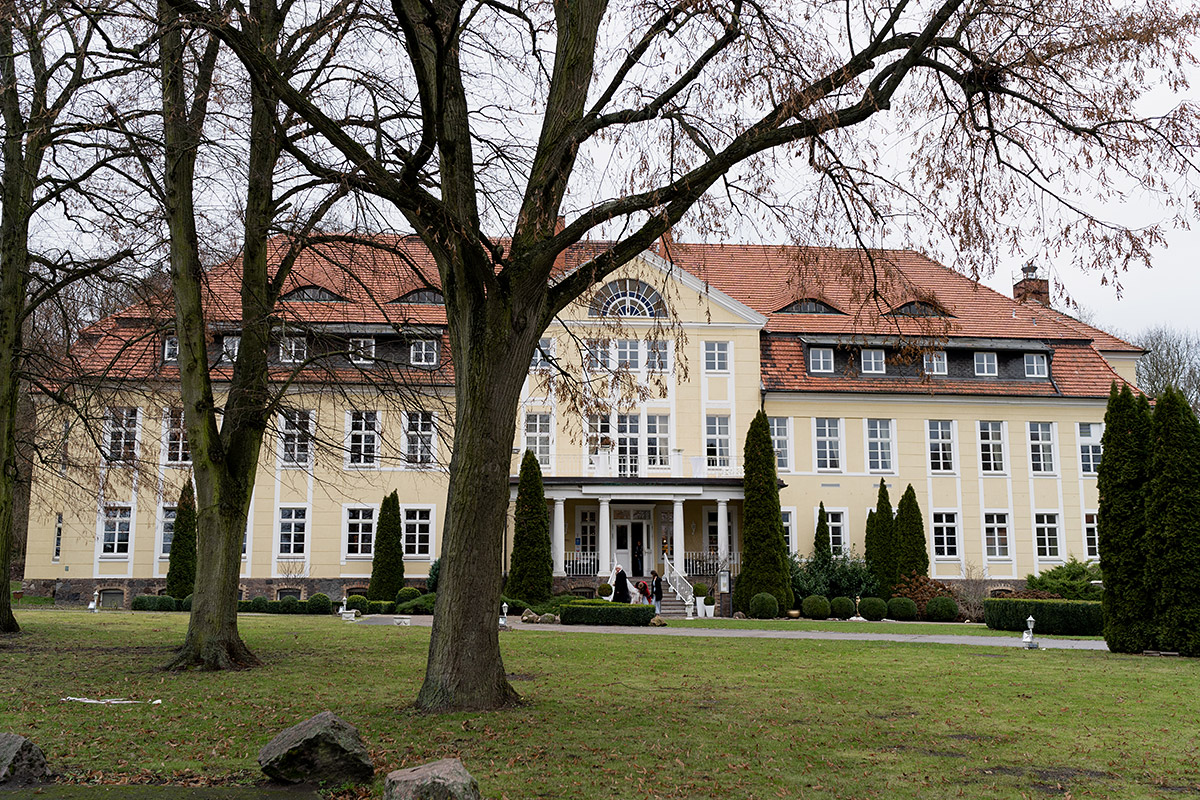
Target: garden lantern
pixel 503 615
pixel 1027 637
pixel 94 606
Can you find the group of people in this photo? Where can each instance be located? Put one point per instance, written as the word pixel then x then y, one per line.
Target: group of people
pixel 645 593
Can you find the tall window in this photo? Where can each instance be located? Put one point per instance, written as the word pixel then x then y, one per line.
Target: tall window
pixel 595 354
pixel 985 365
pixel 945 534
pixel 837 531
pixel 716 356
pixel 122 423
pixel 170 349
pixel 296 437
pixel 941 445
pixel 599 437
pixel 1035 365
pixel 1089 447
pixel 658 440
pixel 293 349
pixel 58 528
pixel 229 348
pixel 537 437
pixel 995 535
pixel 656 356
pixel 991 447
pixel 362 350
pixel 364 439
pixel 423 353
pixel 542 355
pixel 935 363
pixel 177 443
pixel 829 445
pixel 115 538
pixel 879 445
pixel 716 440
pixel 168 528
pixel 873 362
pixel 587 531
pixel 1091 535
pixel 628 352
pixel 1045 532
pixel 1041 447
pixel 360 532
pixel 293 526
pixel 779 441
pixel 418 438
pixel 628 440
pixel 418 532
pixel 789 534
pixel 820 359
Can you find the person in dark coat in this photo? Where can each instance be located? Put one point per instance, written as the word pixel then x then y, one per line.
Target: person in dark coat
pixel 656 591
pixel 638 556
pixel 621 588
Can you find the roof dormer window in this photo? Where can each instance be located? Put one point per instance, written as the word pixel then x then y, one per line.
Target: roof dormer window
pixel 920 308
pixel 426 297
pixel 808 305
pixel 312 294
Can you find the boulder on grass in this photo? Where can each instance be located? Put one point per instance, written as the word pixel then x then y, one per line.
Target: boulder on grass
pixel 21 761
pixel 658 622
pixel 322 749
pixel 738 615
pixel 447 779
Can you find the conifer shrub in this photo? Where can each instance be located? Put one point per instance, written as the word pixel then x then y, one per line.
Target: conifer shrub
pixel 815 607
pixel 407 593
pixel 531 568
pixel 872 608
pixel 822 551
pixel 181 569
pixel 320 603
pixel 434 569
pixel 941 609
pixel 422 605
pixel 841 607
pixel 289 605
pixel 880 544
pixel 1071 581
pixel 387 562
pixel 1051 617
pixel 357 602
pixel 902 609
pixel 145 602
pixel 259 605
pixel 908 532
pixel 764 546
pixel 764 605
pixel 602 612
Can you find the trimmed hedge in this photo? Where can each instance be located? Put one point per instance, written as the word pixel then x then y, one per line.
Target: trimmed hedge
pixel 872 608
pixel 941 609
pixel 763 605
pixel 816 607
pixel 406 594
pixel 244 606
pixel 381 607
pixel 841 607
pixel 1051 617
pixel 145 602
pixel 902 609
pixel 423 605
pixel 602 612
pixel 320 603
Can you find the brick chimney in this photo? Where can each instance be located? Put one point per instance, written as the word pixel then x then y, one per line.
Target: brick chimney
pixel 1031 288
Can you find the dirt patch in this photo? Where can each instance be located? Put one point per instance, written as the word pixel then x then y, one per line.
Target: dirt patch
pixel 1062 774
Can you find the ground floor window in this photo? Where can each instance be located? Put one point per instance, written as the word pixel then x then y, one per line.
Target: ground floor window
pixel 1091 538
pixel 1045 531
pixel 789 534
pixel 168 528
pixel 995 534
pixel 836 520
pixel 58 525
pixel 117 522
pixel 945 534
pixel 282 593
pixel 293 527
pixel 418 532
pixel 112 598
pixel 360 532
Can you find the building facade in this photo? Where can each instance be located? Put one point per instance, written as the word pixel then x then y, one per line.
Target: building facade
pixel 871 367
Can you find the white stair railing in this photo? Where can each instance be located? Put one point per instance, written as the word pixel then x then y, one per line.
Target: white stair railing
pixel 612 581
pixel 679 584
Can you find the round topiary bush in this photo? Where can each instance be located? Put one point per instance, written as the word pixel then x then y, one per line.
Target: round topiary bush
pixel 841 607
pixel 815 607
pixel 144 602
pixel 164 602
pixel 700 589
pixel 320 603
pixel 290 605
pixel 259 605
pixel 764 606
pixel 603 590
pixel 901 608
pixel 357 602
pixel 186 604
pixel 872 608
pixel 407 593
pixel 941 609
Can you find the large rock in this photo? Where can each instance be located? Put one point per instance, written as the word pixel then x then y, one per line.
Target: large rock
pixel 21 761
pixel 324 748
pixel 658 622
pixel 447 779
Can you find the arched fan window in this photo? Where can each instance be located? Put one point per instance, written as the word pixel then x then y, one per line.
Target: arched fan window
pixel 920 308
pixel 627 297
pixel 429 297
pixel 808 305
pixel 313 294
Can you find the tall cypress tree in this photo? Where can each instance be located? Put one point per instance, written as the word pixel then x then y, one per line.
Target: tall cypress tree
pixel 387 564
pixel 531 574
pixel 880 545
pixel 1121 482
pixel 764 547
pixel 822 551
pixel 912 550
pixel 181 569
pixel 1172 511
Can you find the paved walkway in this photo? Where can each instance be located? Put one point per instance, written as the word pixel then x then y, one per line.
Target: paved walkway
pixel 748 633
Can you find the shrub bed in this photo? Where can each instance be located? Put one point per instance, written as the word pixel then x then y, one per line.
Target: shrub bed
pixel 164 602
pixel 602 612
pixel 423 605
pixel 407 594
pixel 902 609
pixel 145 602
pixel 1051 617
pixel 815 607
pixel 921 589
pixel 259 604
pixel 841 607
pixel 186 604
pixel 941 609
pixel 380 607
pixel 762 606
pixel 872 608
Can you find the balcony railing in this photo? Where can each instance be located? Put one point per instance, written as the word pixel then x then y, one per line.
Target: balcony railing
pixel 581 564
pixel 611 464
pixel 704 562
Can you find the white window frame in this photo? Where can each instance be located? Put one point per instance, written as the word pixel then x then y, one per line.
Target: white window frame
pixel 362 349
pixel 941 444
pixel 229 348
pixel 837 528
pixel 542 354
pixel 170 349
pixel 595 355
pixel 879 448
pixel 781 442
pixel 1091 534
pixel 347 508
pixel 628 354
pixel 58 535
pixel 423 352
pixel 293 349
pixel 986 367
pixel 292 553
pixel 936 363
pixel 431 546
pixel 992 550
pixel 658 356
pixel 425 458
pixel 129 426
pixel 1037 365
pixel 939 526
pixel 1045 525
pixel 820 360
pixel 995 445
pixel 360 439
pixel 166 519
pixel 658 441
pixel 175 442
pixel 539 440
pixel 301 439
pixel 1041 448
pixel 717 453
pixel 838 445
pixel 116 549
pixel 716 357
pixel 1091 450
pixel 787 515
pixel 873 362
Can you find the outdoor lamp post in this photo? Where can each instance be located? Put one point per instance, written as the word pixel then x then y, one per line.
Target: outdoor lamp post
pixel 1027 637
pixel 94 606
pixel 504 615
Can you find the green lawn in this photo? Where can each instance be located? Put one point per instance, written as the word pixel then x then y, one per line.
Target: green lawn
pixel 628 716
pixel 846 626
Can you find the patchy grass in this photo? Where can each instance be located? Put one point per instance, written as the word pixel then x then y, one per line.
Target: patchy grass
pixel 15 586
pixel 634 716
pixel 846 626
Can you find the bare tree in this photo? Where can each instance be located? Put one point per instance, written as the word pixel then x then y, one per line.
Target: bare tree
pixel 625 117
pixel 1172 359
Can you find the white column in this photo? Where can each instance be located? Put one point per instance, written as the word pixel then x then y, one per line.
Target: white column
pixel 558 536
pixel 722 530
pixel 677 521
pixel 677 462
pixel 603 534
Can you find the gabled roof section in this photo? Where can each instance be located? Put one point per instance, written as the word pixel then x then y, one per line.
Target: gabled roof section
pixel 691 280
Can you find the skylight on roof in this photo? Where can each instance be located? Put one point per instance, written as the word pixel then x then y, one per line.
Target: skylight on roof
pixel 808 305
pixel 920 308
pixel 313 294
pixel 429 297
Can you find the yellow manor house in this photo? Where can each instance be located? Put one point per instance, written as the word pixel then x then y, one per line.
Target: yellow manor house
pixel 881 365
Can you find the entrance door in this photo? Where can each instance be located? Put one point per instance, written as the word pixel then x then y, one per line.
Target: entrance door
pixel 622 551
pixel 631 537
